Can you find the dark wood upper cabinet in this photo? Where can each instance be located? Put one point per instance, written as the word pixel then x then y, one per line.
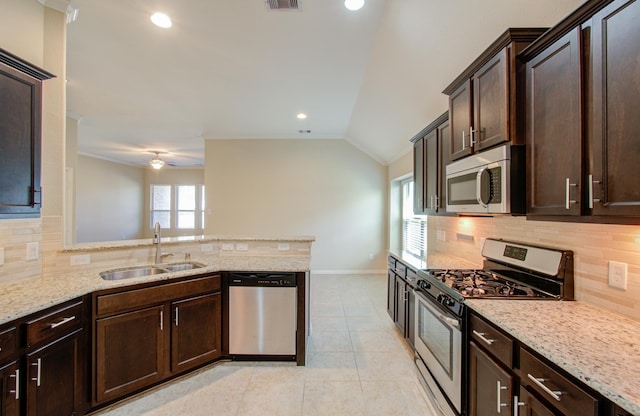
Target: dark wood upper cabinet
pixel 583 147
pixel 554 128
pixel 485 103
pixel 428 167
pixel 613 187
pixel 20 136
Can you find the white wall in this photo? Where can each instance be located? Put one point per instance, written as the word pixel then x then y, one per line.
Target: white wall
pixel 324 188
pixel 109 201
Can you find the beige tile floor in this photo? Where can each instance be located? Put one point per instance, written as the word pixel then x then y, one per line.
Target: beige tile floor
pixel 357 364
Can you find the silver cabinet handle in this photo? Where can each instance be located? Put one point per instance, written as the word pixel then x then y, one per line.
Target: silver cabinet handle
pixel 540 383
pixel 463 143
pixel 38 365
pixel 176 318
pixel 481 335
pixel 472 141
pixel 64 321
pixel 499 404
pixel 568 201
pixel 161 321
pixel 516 404
pixel 16 392
pixel 591 198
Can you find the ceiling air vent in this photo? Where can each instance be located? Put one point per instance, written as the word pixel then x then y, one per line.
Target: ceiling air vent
pixel 282 4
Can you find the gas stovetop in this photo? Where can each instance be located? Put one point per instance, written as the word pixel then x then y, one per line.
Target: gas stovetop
pixel 510 271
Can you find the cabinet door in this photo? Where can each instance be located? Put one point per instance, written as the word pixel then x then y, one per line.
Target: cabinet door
pixel 419 202
pixel 431 172
pixel 20 114
pixel 401 305
pixel 490 387
pixel 129 352
pixel 54 383
pixel 614 160
pixel 391 294
pixel 443 159
pixel 10 390
pixel 529 405
pixel 491 103
pixel 460 119
pixel 196 335
pixel 554 129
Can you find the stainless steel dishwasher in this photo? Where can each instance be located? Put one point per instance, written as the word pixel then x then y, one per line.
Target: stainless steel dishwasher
pixel 262 313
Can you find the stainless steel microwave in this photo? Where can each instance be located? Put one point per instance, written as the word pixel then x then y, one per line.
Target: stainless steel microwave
pixel 490 182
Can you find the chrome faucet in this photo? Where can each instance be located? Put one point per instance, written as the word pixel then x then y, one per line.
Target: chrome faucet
pixel 156 241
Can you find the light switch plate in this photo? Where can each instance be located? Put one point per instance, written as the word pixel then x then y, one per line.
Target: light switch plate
pixel 33 251
pixel 206 247
pixel 283 246
pixel 242 246
pixel 227 246
pixel 618 275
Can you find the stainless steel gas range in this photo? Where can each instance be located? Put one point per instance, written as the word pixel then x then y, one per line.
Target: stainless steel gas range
pixel 510 271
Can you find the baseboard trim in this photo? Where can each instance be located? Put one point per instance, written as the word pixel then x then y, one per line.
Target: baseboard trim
pixel 384 271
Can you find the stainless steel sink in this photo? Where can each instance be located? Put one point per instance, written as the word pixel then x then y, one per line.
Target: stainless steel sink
pixel 130 272
pixel 186 265
pixel 141 271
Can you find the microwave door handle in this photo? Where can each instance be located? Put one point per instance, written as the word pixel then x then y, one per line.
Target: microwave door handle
pixel 481 172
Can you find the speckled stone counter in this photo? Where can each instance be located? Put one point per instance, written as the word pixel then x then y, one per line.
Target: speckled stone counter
pixel 598 347
pixel 27 296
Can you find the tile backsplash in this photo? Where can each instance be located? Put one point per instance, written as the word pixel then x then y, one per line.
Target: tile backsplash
pixel 594 246
pixel 15 234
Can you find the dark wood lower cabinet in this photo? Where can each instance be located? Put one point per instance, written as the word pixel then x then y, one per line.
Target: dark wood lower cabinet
pixel 129 352
pixel 529 405
pixel 54 379
pixel 10 398
pixel 490 386
pixel 196 331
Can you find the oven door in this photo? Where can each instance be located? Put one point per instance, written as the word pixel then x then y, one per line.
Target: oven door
pixel 438 342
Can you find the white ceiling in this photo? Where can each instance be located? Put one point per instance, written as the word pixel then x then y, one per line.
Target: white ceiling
pixel 232 69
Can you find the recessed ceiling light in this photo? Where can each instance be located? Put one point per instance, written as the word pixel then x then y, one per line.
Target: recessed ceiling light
pixel 161 20
pixel 353 4
pixel 301 116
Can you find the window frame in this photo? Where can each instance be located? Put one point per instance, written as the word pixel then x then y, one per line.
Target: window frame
pixel 414 245
pixel 198 211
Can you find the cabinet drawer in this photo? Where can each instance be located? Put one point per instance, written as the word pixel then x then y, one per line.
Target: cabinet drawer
pixel 139 298
pixel 7 344
pixel 494 341
pixel 54 324
pixel 555 388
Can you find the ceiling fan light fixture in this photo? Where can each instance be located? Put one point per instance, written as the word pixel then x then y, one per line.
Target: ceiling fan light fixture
pixel 156 162
pixel 353 4
pixel 161 20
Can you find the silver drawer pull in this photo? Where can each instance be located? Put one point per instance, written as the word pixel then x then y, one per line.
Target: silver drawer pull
pixel 481 335
pixel 540 383
pixel 516 405
pixel 16 392
pixel 64 321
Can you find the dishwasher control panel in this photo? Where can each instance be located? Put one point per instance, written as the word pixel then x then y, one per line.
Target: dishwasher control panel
pixel 263 279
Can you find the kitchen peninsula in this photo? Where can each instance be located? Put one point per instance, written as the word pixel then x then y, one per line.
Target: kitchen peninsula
pixel 70 323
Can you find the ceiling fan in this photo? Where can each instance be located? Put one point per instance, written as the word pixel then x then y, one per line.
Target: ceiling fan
pixel 156 162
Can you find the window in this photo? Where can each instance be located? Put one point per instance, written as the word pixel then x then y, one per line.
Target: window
pixel 413 226
pixel 179 207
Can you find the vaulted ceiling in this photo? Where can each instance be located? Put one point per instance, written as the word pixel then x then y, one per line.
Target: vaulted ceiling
pixel 235 69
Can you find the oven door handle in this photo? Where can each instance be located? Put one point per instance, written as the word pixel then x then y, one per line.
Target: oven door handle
pixel 450 321
pixel 483 177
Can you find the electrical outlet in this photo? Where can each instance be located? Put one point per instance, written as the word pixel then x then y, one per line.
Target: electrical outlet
pixel 618 275
pixel 80 259
pixel 33 251
pixel 1 256
pixel 242 246
pixel 283 247
pixel 441 235
pixel 206 247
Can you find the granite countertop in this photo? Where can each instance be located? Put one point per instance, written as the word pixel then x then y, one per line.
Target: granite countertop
pixel 600 348
pixel 19 299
